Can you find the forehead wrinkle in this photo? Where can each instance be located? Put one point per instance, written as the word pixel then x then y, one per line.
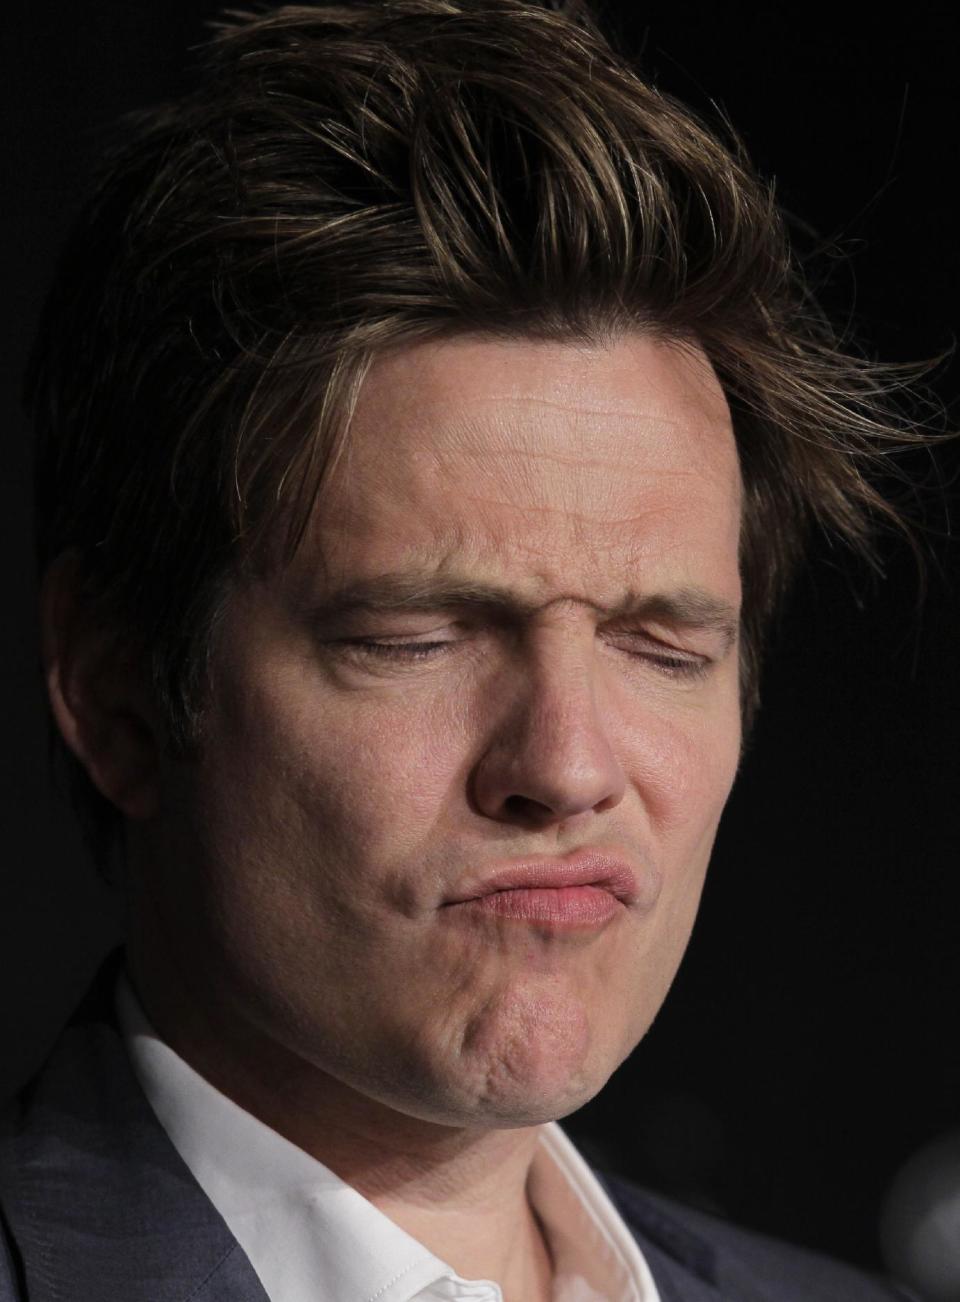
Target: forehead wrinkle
pixel 616 421
pixel 470 434
pixel 698 400
pixel 471 440
pixel 581 508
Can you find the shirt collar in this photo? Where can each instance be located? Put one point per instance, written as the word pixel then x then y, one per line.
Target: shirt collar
pixel 595 1257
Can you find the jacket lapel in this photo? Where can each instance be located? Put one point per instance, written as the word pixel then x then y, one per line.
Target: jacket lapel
pixel 97 1199
pixel 685 1266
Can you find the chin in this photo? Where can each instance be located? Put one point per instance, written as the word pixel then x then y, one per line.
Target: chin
pixel 520 1062
pixel 503 1103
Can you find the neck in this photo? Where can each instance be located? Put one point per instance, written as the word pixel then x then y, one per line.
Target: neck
pixel 470 1208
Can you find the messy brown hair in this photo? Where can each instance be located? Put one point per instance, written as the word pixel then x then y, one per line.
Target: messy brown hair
pixel 343 180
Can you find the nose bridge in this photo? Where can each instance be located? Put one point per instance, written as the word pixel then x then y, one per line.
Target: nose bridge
pixel 551 756
pixel 560 697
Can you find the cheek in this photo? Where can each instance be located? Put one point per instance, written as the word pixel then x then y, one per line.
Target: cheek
pixel 683 763
pixel 389 751
pixel 685 767
pixel 365 778
pixel 690 765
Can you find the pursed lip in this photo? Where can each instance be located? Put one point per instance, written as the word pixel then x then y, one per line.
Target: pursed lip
pixel 583 868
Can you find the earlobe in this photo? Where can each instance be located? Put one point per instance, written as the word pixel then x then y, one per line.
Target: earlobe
pixel 98 693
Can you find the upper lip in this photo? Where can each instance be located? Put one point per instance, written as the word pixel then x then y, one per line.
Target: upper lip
pixel 584 868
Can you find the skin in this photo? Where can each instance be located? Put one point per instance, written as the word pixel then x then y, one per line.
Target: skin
pixel 546 539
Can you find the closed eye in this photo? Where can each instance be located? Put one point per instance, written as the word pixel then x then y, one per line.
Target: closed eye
pixel 665 659
pixel 676 666
pixel 641 648
pixel 384 649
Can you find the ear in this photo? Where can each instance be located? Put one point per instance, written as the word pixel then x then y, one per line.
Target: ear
pixel 97 683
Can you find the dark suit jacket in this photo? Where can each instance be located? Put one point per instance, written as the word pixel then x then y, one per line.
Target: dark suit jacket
pixel 96 1205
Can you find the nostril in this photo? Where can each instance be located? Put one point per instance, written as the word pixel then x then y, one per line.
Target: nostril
pixel 527 810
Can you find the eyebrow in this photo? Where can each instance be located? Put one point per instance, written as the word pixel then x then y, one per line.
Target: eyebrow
pixel 687 606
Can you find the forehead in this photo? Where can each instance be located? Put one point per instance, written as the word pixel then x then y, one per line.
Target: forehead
pixel 565 462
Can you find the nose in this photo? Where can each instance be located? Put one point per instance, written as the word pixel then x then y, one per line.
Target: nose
pixel 550 756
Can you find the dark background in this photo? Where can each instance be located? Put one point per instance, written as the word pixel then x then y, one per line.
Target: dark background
pixel 809 1044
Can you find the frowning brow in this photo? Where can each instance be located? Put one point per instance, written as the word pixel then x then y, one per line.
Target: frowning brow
pixel 687 607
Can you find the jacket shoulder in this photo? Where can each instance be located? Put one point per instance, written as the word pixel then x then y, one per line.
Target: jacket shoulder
pixel 95 1201
pixel 742 1263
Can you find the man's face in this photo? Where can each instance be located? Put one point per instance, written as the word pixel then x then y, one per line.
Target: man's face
pixel 505 657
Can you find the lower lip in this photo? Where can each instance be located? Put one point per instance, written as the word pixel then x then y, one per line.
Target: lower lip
pixel 566 906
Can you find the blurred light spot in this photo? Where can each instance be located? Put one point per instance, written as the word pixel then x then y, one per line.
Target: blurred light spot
pixel 920 1221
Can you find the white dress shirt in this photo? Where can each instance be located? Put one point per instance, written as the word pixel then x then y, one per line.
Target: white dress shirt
pixel 311 1237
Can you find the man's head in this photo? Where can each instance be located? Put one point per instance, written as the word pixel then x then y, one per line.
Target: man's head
pixel 417 401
